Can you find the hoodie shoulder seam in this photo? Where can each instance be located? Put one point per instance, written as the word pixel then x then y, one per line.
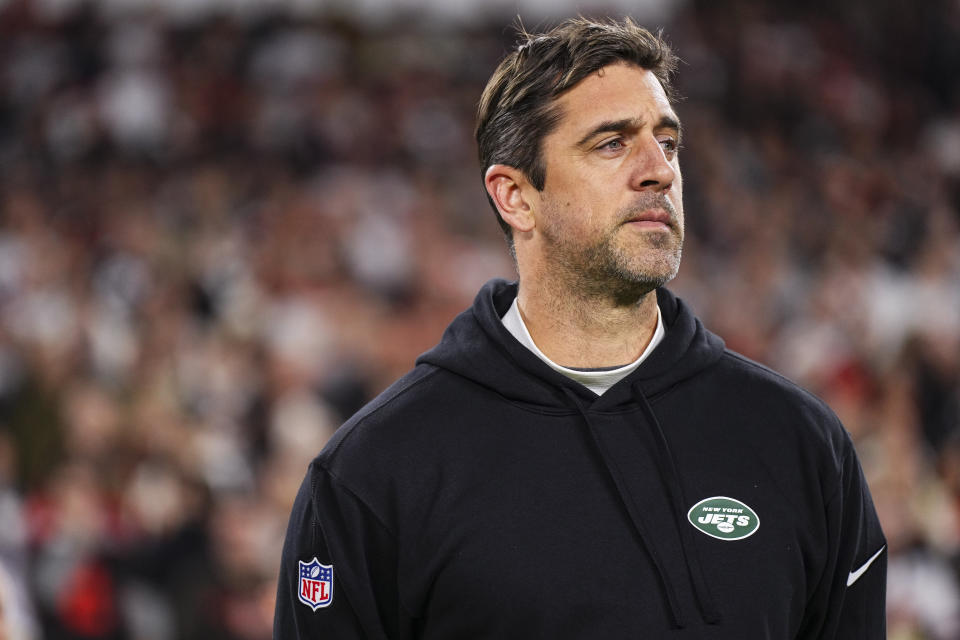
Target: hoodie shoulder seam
pixel 336 479
pixel 779 376
pixel 377 405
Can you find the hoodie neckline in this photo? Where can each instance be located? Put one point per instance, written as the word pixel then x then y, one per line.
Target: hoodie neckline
pixel 477 346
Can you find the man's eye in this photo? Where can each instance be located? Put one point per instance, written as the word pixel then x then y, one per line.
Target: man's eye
pixel 669 145
pixel 614 145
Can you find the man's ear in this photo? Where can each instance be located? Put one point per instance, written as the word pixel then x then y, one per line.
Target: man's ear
pixel 508 187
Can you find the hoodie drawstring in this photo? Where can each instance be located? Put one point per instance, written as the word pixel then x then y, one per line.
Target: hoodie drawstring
pixel 671 478
pixel 666 467
pixel 673 601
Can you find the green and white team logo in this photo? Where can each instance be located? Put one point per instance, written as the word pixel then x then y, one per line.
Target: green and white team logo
pixel 724 518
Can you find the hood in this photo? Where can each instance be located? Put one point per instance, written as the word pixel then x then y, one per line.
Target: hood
pixel 477 346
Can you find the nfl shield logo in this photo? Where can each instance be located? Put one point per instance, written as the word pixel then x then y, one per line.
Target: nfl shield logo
pixel 316 584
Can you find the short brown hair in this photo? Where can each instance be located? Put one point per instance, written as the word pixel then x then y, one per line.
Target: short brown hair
pixel 518 106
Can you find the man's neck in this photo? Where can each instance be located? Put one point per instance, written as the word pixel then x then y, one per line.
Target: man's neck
pixel 587 333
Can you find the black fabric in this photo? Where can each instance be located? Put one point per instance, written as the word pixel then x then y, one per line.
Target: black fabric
pixel 485 495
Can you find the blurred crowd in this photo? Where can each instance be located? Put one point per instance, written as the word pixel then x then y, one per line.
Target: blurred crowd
pixel 220 236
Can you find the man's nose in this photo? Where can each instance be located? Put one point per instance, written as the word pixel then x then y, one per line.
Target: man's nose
pixel 652 169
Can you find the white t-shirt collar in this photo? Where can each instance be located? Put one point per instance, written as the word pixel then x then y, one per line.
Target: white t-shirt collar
pixel 598 381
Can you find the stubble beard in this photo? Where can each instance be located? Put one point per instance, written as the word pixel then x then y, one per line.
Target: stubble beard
pixel 623 265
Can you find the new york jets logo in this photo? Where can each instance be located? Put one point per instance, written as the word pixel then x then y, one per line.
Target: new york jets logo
pixel 724 518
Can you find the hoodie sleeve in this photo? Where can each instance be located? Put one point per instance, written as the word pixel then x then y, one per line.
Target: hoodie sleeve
pixel 331 526
pixel 849 602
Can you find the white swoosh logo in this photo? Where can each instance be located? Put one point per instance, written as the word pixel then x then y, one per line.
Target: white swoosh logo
pixel 855 575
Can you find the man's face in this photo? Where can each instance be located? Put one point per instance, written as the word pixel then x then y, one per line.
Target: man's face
pixel 610 215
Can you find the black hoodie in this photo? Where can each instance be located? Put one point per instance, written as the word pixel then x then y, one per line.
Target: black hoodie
pixel 485 495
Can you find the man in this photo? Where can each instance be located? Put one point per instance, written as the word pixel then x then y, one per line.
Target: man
pixel 579 457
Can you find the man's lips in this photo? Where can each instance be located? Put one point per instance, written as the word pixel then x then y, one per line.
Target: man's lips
pixel 651 218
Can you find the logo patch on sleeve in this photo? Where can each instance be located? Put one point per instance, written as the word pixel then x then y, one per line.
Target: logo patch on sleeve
pixel 724 518
pixel 316 584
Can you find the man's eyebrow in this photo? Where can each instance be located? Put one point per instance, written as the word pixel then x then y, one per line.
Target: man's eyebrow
pixel 613 126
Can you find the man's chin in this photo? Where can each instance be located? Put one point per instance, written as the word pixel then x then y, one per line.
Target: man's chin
pixel 630 285
pixel 655 270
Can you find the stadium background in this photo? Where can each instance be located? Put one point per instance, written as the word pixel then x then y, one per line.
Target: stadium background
pixel 224 225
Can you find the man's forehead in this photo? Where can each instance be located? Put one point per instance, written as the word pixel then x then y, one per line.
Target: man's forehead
pixel 615 91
